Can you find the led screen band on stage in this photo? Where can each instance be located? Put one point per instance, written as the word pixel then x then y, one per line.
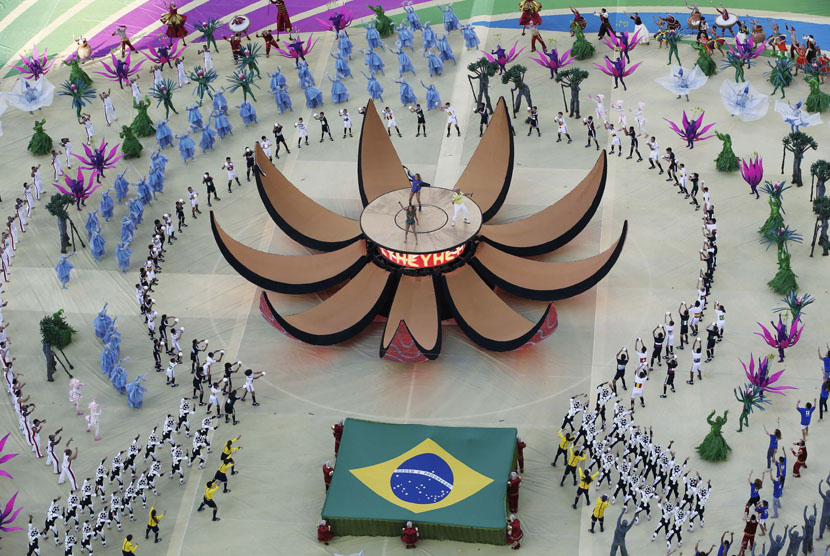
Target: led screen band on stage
pixel 421 260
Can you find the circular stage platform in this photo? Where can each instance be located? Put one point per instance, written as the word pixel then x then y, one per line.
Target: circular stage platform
pixel 383 221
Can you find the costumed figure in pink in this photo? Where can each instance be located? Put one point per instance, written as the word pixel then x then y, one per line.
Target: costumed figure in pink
pixel 617 69
pixel 762 378
pixel 35 66
pixel 502 57
pixel 640 118
pixel 75 187
pixel 97 159
pixel 554 61
pixel 602 113
pixel 75 394
pixel 782 338
pixel 92 420
pixel 337 21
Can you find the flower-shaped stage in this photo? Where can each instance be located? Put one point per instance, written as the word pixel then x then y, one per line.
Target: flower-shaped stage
pixel 450 274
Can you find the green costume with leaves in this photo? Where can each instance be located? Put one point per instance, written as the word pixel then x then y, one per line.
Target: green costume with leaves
pixel 736 62
pixel 142 125
pixel 704 61
pixel 672 39
pixel 726 160
pixel 582 49
pixel 714 446
pixel 775 220
pixel 817 101
pixel 785 279
pixel 77 74
pixel 55 331
pixel 131 147
pixel 780 75
pixel 40 143
pixel 383 24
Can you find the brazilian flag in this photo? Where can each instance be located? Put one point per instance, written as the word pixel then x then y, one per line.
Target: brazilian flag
pixel 451 482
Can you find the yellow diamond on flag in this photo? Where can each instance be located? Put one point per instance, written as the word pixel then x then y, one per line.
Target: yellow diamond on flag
pixel 422 479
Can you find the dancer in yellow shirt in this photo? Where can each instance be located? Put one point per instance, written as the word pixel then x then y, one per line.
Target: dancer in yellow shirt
pixel 574 458
pixel 584 486
pixel 128 547
pixel 153 524
pixel 459 206
pixel 599 513
pixel 210 489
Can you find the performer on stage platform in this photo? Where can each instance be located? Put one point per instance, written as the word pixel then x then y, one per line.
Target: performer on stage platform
pixel 411 221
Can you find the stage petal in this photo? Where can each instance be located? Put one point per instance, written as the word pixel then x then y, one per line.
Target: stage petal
pixel 286 273
pixel 545 281
pixel 490 169
pixel 483 316
pixel 341 316
pixel 554 226
pixel 379 169
pixel 413 329
pixel 302 219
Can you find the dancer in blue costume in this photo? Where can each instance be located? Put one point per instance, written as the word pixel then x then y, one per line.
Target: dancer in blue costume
pixel 112 338
pixel 92 223
pixel 445 50
pixel 219 102
pixel 63 269
pixel 101 322
pixel 372 60
pixel 433 98
pixel 412 16
pixel 187 148
pixel 247 113
pixel 107 205
pixel 428 37
pixel 96 246
pixel 373 87
pixel 158 159
pixel 118 377
pixel 108 360
pixel 434 63
pixel 208 138
pixel 121 187
pixel 404 61
pixel 405 36
pixel 281 99
pixel 277 78
pixel 127 229
pixel 344 44
pixel 303 73
pixel 471 39
pixel 155 180
pixel 122 256
pixel 341 65
pixel 372 36
pixel 136 206
pixel 222 125
pixel 144 192
pixel 313 95
pixel 338 90
pixel 450 19
pixel 194 117
pixel 157 165
pixel 135 393
pixel 407 95
pixel 164 137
